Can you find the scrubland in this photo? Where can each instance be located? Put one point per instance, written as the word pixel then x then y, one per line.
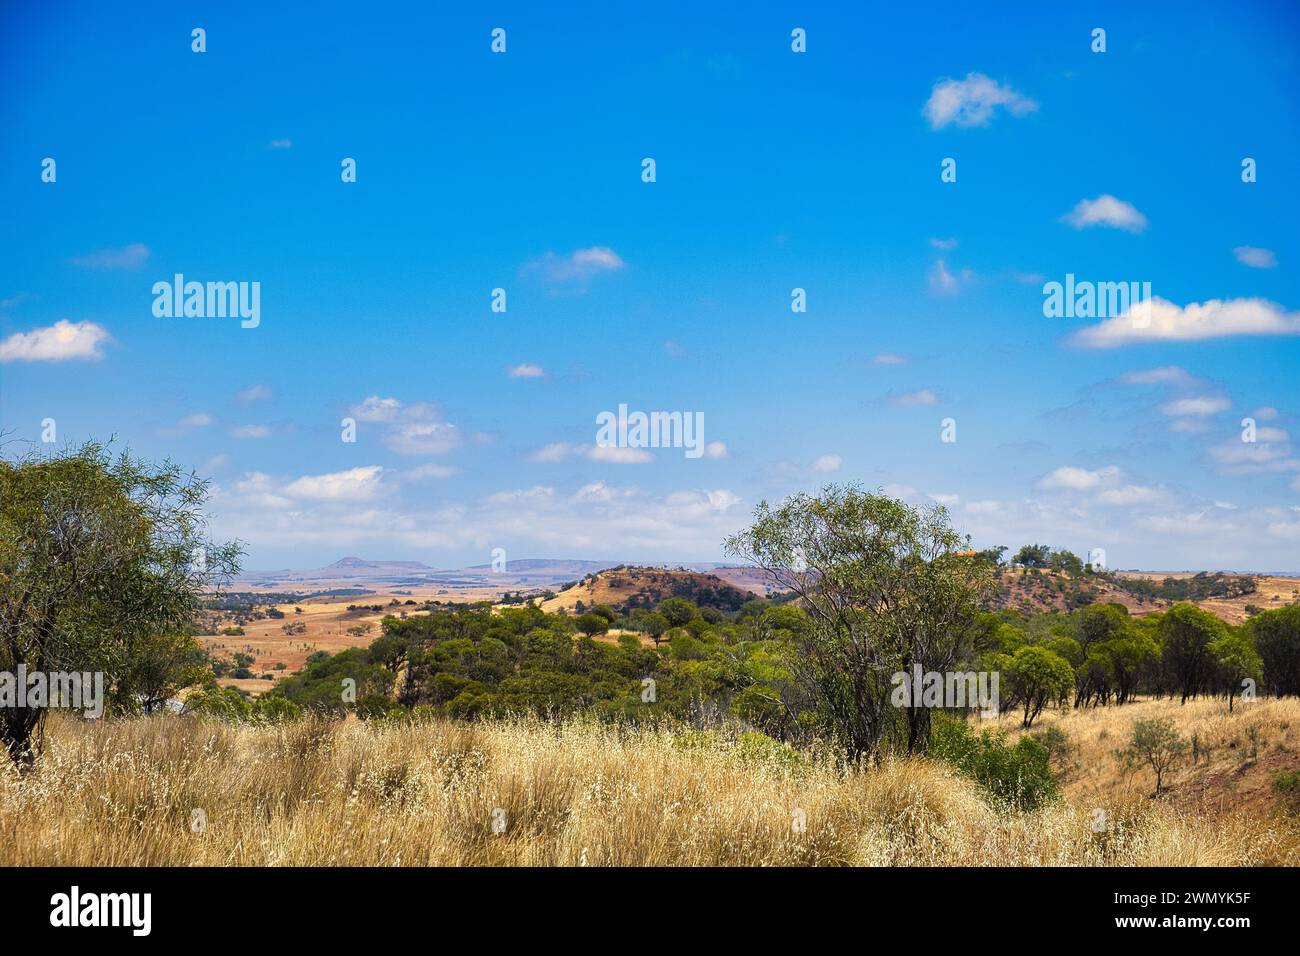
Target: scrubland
pixel 177 791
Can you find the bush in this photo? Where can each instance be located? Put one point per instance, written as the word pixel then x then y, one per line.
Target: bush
pixel 274 709
pixel 1057 744
pixel 760 748
pixel 1287 784
pixel 1155 743
pixel 219 703
pixel 1019 776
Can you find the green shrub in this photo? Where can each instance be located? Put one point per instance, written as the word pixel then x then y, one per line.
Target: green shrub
pixel 1018 776
pixel 1057 744
pixel 760 748
pixel 1287 783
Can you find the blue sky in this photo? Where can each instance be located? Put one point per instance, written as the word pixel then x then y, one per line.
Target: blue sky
pixel 775 170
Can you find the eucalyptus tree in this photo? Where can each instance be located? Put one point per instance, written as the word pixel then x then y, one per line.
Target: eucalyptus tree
pixel 885 587
pixel 104 560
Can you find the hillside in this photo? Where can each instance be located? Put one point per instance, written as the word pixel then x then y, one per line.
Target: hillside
pixel 624 588
pixel 1230 597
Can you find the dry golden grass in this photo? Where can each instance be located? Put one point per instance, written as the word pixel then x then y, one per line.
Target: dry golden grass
pixel 1238 753
pixel 121 793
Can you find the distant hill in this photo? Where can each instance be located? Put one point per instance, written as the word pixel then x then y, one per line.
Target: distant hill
pixel 624 588
pixel 1232 597
pixel 360 564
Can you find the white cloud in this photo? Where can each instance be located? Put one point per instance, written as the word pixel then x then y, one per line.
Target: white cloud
pixel 715 449
pixel 947 245
pixel 355 484
pixel 1269 453
pixel 526 371
pixel 888 358
pixel 1200 405
pixel 254 393
pixel 376 409
pixel 281 144
pixel 1164 375
pixel 1255 257
pixel 1128 495
pixel 920 397
pixel 250 431
pixel 972 101
pixel 1161 321
pixel 422 438
pixel 578 266
pixel 556 451
pixel 125 257
pixel 614 455
pixel 415 429
pixel 1265 413
pixel 1079 479
pixel 827 463
pixel 196 420
pixel 597 520
pixel 56 343
pixel 1108 211
pixel 944 282
pixel 561 451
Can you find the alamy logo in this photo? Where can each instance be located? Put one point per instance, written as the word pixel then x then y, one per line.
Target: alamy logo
pixel 103 909
pixel 210 300
pixel 651 430
pixel 952 690
pixel 1096 300
pixel 75 690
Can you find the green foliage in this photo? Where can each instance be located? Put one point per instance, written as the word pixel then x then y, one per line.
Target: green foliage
pixel 1155 743
pixel 884 587
pixel 1035 677
pixel 1186 633
pixel 1058 745
pixel 1287 785
pixel 1033 556
pixel 1018 776
pixel 100 570
pixel 1276 636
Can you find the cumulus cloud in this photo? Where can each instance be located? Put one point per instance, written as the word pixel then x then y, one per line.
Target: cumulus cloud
pixel 1106 211
pixel 578 267
pixel 526 370
pixel 597 519
pixel 972 101
pixel 124 257
pixel 1269 453
pixel 355 484
pixel 410 429
pixel 1255 257
pixel 1164 375
pixel 827 463
pixel 1199 405
pixel 715 449
pixel 888 358
pixel 562 451
pixel 59 342
pixel 908 399
pixel 1078 479
pixel 422 438
pixel 1159 320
